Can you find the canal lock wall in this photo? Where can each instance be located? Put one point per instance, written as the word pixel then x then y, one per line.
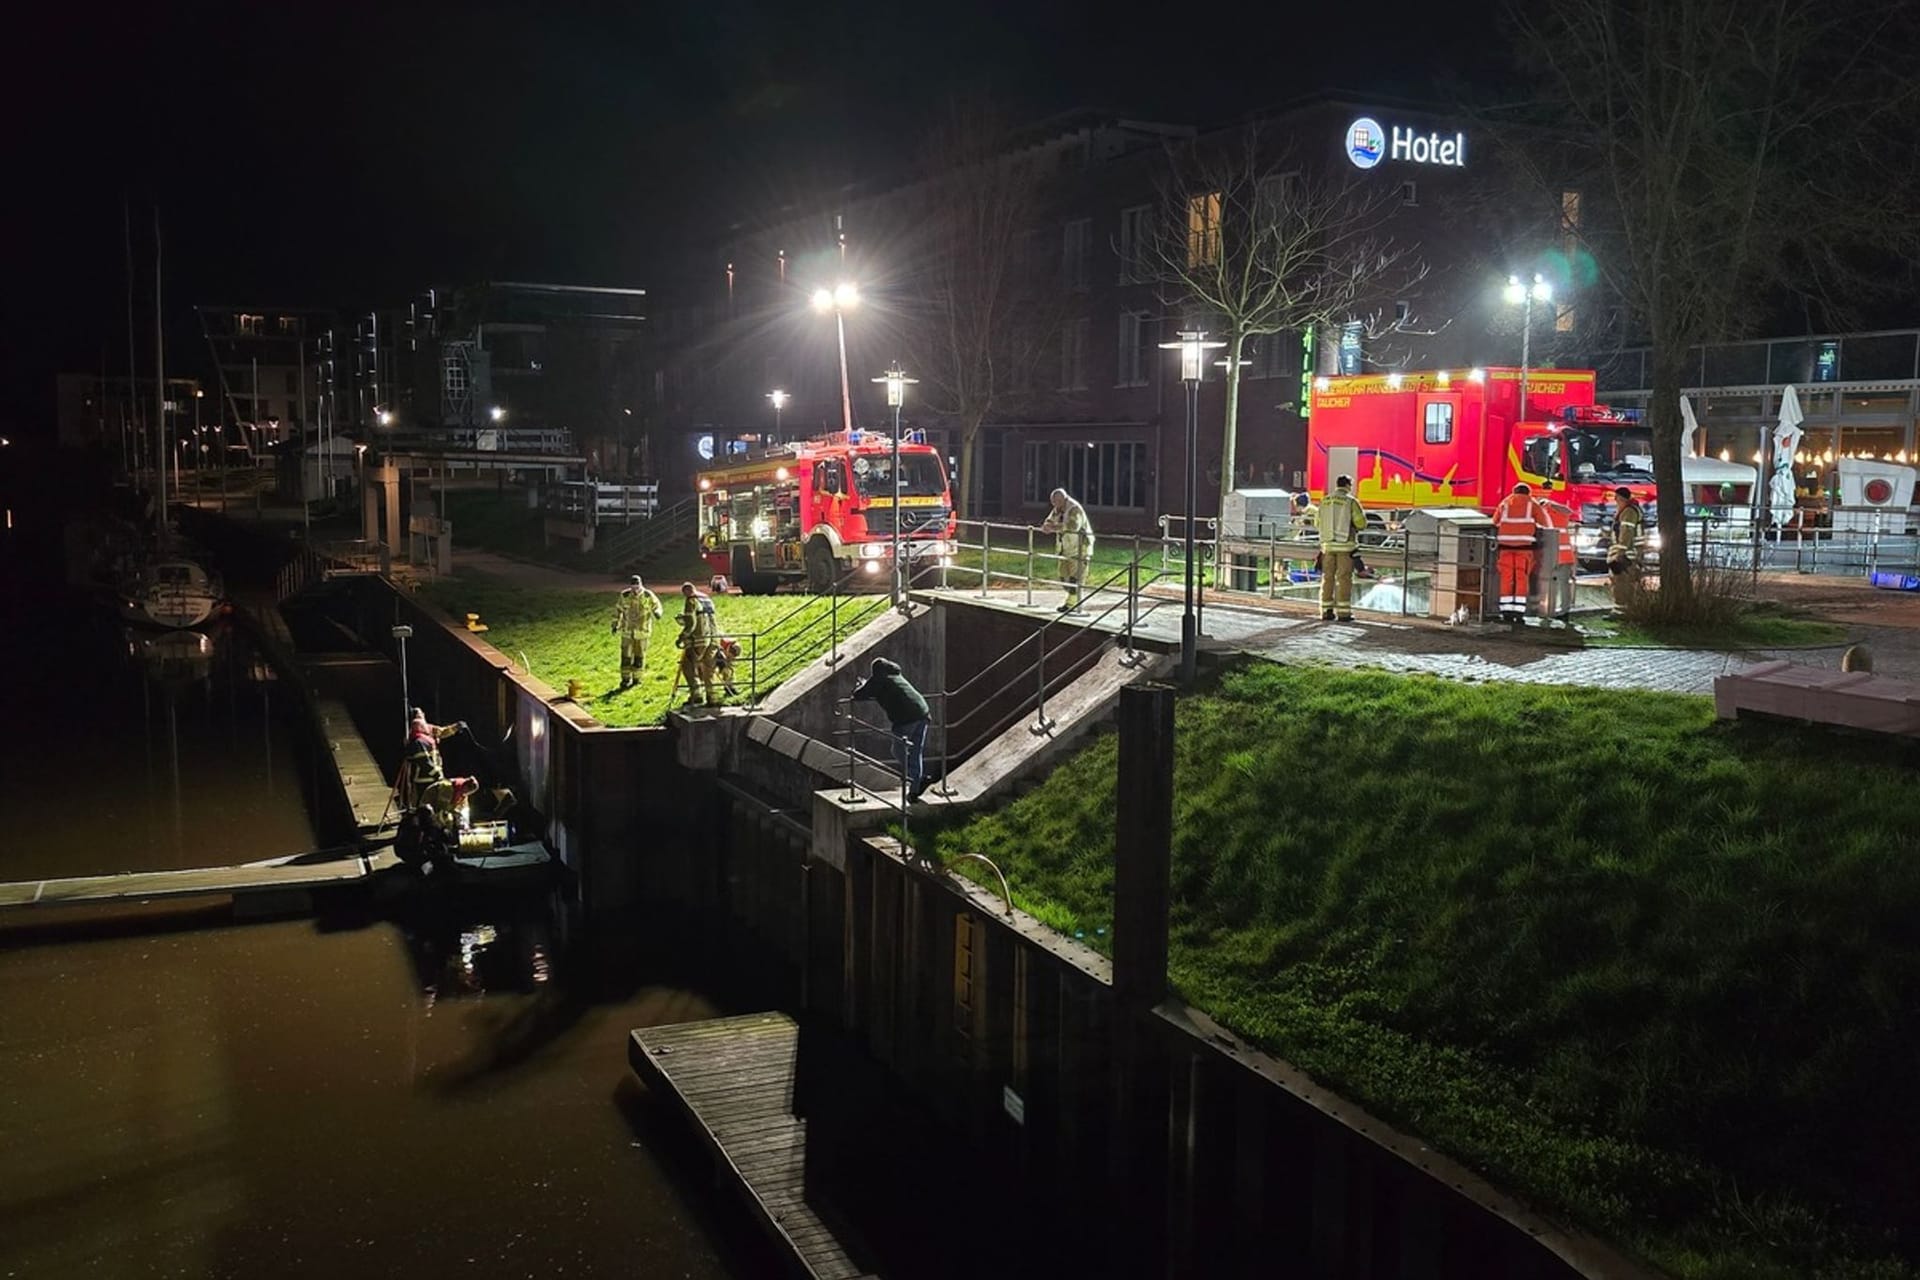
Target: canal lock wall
pixel 1094 1107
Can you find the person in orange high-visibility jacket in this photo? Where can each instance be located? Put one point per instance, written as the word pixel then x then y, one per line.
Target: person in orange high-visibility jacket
pixel 1557 574
pixel 1517 523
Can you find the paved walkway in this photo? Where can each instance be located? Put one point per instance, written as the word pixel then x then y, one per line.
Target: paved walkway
pixel 1292 634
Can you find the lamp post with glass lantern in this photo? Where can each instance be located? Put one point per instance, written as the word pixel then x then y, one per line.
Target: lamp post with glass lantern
pixel 896 381
pixel 1193 347
pixel 1525 296
pixel 778 398
pixel 840 299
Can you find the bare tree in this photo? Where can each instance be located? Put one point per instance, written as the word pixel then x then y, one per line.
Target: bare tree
pixel 1259 245
pixel 980 323
pixel 1729 154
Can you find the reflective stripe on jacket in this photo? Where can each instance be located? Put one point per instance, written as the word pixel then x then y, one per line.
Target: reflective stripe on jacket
pixel 1339 519
pixel 1628 523
pixel 635 612
pixel 1561 518
pixel 1518 520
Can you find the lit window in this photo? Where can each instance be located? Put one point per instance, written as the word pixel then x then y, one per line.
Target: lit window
pixel 1438 422
pixel 1203 229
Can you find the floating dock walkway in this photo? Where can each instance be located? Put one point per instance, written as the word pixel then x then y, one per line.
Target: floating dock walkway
pixel 733 1077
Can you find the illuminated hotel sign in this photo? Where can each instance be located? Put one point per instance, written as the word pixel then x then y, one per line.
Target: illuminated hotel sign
pixel 1369 142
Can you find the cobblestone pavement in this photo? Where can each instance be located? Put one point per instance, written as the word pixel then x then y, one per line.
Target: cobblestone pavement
pixel 1470 653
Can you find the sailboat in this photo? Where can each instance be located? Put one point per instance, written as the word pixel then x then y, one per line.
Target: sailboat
pixel 171 590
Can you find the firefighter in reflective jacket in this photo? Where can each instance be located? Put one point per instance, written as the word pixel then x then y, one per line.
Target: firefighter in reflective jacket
pixel 698 635
pixel 1623 547
pixel 422 779
pixel 1517 523
pixel 1069 519
pixel 1339 519
pixel 1557 574
pixel 633 615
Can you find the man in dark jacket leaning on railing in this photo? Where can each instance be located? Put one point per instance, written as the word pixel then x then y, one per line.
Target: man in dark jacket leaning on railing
pixel 907 715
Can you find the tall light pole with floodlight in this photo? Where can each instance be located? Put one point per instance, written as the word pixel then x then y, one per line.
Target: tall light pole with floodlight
pixel 1193 347
pixel 896 380
pixel 779 400
pixel 1525 296
pixel 840 299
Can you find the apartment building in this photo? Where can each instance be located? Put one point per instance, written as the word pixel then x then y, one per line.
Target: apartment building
pixel 1095 404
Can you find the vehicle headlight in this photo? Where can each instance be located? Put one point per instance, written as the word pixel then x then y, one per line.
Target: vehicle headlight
pixel 872 566
pixel 1586 539
pixel 872 550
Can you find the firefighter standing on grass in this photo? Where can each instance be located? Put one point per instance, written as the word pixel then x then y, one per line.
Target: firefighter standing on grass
pixel 1338 519
pixel 1517 523
pixel 633 616
pixel 1069 519
pixel 1623 547
pixel 698 635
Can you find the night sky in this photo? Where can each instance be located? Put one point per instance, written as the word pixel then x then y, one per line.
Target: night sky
pixel 344 153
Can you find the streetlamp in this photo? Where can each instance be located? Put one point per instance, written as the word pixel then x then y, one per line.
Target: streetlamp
pixel 1193 347
pixel 1522 295
pixel 400 635
pixel 840 299
pixel 779 399
pixel 896 380
pixel 383 415
pixel 497 414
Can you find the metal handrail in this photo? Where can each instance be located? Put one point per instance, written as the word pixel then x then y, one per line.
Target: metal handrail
pixel 1006 893
pixel 844 709
pixel 757 660
pixel 1130 598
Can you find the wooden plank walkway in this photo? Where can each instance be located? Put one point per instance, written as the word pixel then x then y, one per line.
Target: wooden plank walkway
pixel 360 776
pixel 733 1077
pixel 508 865
pixel 196 882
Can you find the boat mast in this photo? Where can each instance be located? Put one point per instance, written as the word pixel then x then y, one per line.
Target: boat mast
pixel 159 388
pixel 132 409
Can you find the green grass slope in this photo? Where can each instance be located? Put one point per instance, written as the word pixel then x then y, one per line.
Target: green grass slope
pixel 566 635
pixel 1653 970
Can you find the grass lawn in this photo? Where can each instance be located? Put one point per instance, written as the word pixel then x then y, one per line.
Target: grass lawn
pixel 566 635
pixel 1762 625
pixel 1654 970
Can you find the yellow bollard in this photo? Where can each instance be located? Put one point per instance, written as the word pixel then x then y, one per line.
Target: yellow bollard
pixel 474 624
pixel 573 690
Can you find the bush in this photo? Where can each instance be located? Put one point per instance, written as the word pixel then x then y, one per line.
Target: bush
pixel 1718 597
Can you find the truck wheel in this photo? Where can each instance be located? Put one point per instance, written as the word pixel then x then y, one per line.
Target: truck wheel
pixel 741 563
pixel 820 567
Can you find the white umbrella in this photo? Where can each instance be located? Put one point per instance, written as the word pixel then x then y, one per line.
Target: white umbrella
pixel 1786 440
pixel 1692 425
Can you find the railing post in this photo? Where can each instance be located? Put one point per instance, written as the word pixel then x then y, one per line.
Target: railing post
pixel 1133 599
pixel 853 792
pixel 986 555
pixel 1029 566
pixel 1040 722
pixel 753 669
pixel 1273 562
pixel 833 626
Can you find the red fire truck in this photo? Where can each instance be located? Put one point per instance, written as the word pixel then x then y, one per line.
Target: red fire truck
pixel 1447 438
pixel 820 508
